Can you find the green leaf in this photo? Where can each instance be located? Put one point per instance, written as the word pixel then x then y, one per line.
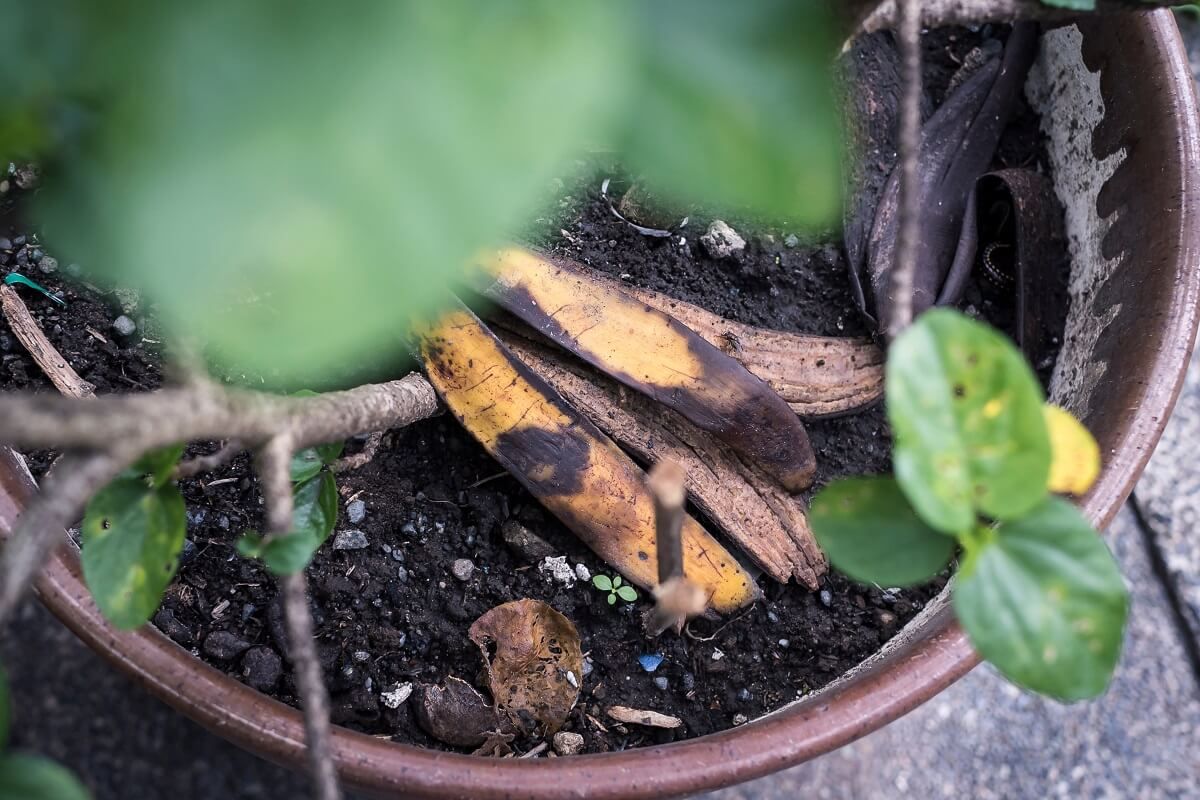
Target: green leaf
pixel 1076 5
pixel 305 464
pixel 295 204
pixel 157 465
pixel 616 581
pixel 602 583
pixel 132 535
pixel 734 106
pixel 5 709
pixel 966 412
pixel 31 778
pixel 869 531
pixel 627 593
pixel 612 599
pixel 312 521
pixel 1043 600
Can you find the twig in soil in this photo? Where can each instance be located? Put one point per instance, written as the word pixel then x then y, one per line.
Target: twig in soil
pixel 675 598
pixel 537 751
pixel 30 334
pixel 489 479
pixel 688 629
pixel 275 481
pixel 909 213
pixel 361 458
pixel 194 466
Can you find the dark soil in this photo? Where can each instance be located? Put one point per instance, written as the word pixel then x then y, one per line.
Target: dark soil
pixel 392 612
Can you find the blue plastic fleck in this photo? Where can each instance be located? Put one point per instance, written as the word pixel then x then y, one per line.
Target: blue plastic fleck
pixel 650 661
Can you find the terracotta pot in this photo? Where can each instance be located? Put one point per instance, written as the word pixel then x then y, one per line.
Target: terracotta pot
pixel 1132 326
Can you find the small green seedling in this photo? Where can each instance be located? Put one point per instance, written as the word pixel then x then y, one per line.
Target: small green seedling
pixel 615 588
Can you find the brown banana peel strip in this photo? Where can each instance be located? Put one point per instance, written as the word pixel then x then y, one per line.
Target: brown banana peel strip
pixel 653 353
pixel 769 524
pixel 572 468
pixel 818 376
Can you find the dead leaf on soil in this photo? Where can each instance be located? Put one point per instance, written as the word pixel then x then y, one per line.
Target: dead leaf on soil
pixel 641 716
pixel 530 650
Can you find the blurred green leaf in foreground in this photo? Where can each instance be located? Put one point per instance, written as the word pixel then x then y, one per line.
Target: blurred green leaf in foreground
pixel 290 181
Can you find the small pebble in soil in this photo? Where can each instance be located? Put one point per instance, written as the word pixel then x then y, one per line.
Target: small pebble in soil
pixel 785 643
pixel 463 569
pixel 48 265
pixel 662 683
pixel 826 598
pixel 571 679
pixel 356 512
pixel 583 573
pixel 397 555
pixel 124 325
pixel 395 696
pixel 722 241
pixel 740 719
pixel 744 695
pixel 791 240
pixel 224 646
pixel 650 661
pixel 717 654
pixel 350 540
pixel 557 569
pixel 261 668
pixel 587 667
pixel 772 617
pixel 402 574
pixel 362 656
pixel 567 743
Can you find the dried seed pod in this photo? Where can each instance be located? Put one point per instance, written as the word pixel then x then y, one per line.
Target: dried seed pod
pixel 563 459
pixel 653 353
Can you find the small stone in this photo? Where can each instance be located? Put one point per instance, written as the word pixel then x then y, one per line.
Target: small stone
pixel 567 743
pixel 361 656
pixel 826 598
pixel 744 695
pixel 224 646
pixel 463 569
pixel 662 683
pixel 650 661
pixel 791 240
pixel 261 668
pixel 583 573
pixel 571 679
pixel 223 521
pixel 772 618
pixel 784 643
pixel 722 241
pixel 166 622
pixel 587 667
pixel 557 568
pixel 48 265
pixel 717 654
pixel 740 719
pixel 525 543
pixel 124 325
pixel 5 243
pixel 402 574
pixel 350 540
pixel 356 512
pixel 397 555
pixel 397 695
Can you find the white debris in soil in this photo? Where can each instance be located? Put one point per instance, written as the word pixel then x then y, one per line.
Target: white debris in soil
pixel 124 325
pixel 567 743
pixel 557 568
pixel 583 573
pixel 722 241
pixel 395 697
pixel 717 654
pixel 463 569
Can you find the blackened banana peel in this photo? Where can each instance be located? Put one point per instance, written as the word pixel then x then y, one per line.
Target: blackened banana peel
pixel 655 354
pixel 564 460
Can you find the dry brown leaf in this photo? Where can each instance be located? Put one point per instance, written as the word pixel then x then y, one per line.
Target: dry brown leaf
pixel 534 663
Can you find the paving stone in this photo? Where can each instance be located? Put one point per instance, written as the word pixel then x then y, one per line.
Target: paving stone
pixel 1168 497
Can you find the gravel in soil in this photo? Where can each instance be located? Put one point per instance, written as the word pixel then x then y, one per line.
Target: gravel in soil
pixel 393 606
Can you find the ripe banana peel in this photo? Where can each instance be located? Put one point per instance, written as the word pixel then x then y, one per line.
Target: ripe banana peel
pixel 655 354
pixel 572 468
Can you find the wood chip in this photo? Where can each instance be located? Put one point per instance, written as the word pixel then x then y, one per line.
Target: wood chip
pixel 767 522
pixel 637 716
pixel 30 334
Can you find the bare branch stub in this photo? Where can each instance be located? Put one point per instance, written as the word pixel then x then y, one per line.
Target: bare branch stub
pixel 27 331
pixel 675 598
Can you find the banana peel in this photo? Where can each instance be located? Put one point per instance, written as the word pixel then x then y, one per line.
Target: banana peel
pixel 767 523
pixel 572 468
pixel 655 354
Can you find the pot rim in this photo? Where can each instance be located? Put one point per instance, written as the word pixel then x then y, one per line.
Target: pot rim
pixel 859 703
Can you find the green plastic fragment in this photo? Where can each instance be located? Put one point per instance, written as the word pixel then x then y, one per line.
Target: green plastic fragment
pixel 14 278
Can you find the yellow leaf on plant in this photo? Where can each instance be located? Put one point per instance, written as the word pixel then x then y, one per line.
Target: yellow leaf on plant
pixel 1075 459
